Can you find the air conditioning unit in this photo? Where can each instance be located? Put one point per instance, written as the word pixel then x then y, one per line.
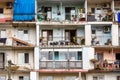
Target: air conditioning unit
pixel 9 5
pixel 106 29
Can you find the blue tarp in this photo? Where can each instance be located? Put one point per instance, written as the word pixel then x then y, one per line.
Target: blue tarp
pixel 119 17
pixel 24 10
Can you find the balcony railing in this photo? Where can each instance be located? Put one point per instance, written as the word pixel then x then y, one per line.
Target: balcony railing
pixel 60 41
pixel 60 64
pixel 101 40
pixel 1 64
pixel 89 17
pixel 108 64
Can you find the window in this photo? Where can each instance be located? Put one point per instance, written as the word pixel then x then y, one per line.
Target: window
pixel 23 58
pixel 2 59
pixel 1 10
pixel 98 77
pixel 73 55
pixel 99 56
pixel 2 78
pixel 23 34
pixel 70 78
pixel 118 77
pixel 79 55
pixel 3 33
pixel 47 78
pixel 23 77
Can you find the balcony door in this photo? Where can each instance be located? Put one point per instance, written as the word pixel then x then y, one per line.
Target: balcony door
pixel 69 13
pixel 48 11
pixel 70 35
pixel 118 56
pixel 47 36
pixel 1 13
pixel 2 60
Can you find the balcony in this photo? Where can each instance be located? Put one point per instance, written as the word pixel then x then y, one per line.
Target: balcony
pixel 100 17
pixel 107 65
pixel 59 42
pixel 61 64
pixel 101 41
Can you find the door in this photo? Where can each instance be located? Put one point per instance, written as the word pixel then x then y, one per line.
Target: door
pixel 69 13
pixel 100 56
pixel 1 13
pixel 2 56
pixel 117 56
pixel 70 35
pixel 99 34
pixel 48 11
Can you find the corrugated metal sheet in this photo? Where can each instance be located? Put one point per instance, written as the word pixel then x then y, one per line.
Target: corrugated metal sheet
pixel 24 10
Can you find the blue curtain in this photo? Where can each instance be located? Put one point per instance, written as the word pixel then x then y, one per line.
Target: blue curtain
pixel 24 10
pixel 119 17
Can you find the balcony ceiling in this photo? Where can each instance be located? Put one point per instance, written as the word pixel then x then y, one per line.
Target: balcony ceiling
pixel 63 1
pixel 6 0
pixel 98 1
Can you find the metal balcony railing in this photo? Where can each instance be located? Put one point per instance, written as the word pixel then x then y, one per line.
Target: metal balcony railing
pixel 76 18
pixel 60 41
pixel 61 64
pixel 108 64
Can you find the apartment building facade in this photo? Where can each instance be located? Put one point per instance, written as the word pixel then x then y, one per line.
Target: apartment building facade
pixel 60 39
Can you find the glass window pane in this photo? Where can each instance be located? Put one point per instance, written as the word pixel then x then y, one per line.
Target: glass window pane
pixel 79 56
pixel 50 55
pixel 56 55
pixel 95 78
pixel 50 78
pixel 72 55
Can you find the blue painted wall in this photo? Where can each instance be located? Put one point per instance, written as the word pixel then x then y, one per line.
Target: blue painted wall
pixel 24 10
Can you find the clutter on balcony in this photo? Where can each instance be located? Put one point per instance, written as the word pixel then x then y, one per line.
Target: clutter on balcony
pixel 3 40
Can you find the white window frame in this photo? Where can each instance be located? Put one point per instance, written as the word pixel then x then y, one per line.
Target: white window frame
pixel 22 35
pixel 21 58
pixel 47 77
pixel 24 77
pixel 99 77
pixel 3 33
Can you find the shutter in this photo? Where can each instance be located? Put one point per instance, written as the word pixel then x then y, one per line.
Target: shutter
pixel 26 58
pixel 21 58
pixel 20 34
pixel 3 33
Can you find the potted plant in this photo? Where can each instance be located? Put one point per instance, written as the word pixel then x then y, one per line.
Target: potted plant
pixel 93 60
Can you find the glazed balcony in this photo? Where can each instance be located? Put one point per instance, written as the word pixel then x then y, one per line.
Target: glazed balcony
pixel 61 64
pixel 60 42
